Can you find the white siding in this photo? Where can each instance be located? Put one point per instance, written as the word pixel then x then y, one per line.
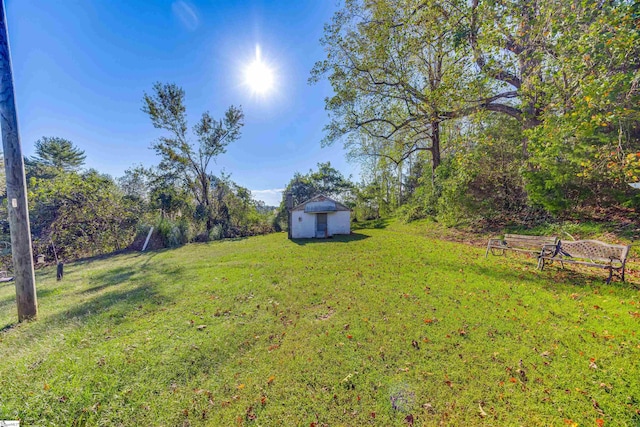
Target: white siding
pixel 339 222
pixel 303 225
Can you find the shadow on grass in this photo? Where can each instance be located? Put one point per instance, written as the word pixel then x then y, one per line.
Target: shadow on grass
pixel 374 223
pixel 341 238
pixel 116 304
pixel 556 278
pixel 110 278
pixel 8 327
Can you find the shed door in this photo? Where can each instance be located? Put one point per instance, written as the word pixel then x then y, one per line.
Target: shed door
pixel 321 225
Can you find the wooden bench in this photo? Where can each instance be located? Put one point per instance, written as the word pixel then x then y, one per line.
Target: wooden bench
pixel 591 253
pixel 520 243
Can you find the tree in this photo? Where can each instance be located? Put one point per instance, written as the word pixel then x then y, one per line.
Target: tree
pixel 326 180
pixel 398 71
pixel 166 109
pixel 58 153
pixel 583 151
pixel 567 72
pixel 135 183
pixel 83 214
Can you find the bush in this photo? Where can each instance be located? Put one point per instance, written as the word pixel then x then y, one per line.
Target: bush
pixel 174 233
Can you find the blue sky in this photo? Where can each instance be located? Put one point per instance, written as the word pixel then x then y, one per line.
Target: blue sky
pixel 81 68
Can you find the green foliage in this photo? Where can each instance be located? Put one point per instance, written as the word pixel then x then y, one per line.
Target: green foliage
pixel 361 330
pixel 82 214
pixel 327 181
pixel 58 154
pixel 174 232
pixel 565 74
pixel 584 150
pixel 179 157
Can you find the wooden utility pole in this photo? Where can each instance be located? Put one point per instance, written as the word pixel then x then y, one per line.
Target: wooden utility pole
pixel 16 185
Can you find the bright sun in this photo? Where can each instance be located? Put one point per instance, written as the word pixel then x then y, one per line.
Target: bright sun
pixel 258 75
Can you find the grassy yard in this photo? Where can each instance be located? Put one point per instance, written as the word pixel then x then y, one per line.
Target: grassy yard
pixel 387 327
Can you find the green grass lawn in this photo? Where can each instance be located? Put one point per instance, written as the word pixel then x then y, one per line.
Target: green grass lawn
pixel 387 327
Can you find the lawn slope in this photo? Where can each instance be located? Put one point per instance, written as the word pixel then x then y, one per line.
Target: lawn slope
pixel 384 327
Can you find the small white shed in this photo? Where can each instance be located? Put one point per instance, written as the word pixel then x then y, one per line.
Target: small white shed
pixel 320 217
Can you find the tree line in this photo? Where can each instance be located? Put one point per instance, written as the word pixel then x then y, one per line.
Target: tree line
pixel 480 111
pixel 77 212
pixel 487 110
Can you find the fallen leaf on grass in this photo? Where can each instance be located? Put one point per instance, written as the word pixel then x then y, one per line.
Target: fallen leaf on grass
pixel 201 327
pixel 482 413
pixel 409 419
pixel 270 380
pixel 46 386
pixel 600 422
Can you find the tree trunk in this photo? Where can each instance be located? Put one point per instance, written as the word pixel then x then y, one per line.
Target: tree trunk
pixel 435 143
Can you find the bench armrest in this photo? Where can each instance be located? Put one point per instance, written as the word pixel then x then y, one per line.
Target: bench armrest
pixel 549 250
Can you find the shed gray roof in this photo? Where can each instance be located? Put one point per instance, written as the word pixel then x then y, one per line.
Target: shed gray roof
pixel 320 204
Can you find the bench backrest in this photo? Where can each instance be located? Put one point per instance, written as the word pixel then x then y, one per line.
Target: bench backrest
pixel 522 241
pixel 594 250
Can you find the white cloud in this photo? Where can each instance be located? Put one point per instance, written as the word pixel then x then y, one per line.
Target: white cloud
pixel 271 197
pixel 187 14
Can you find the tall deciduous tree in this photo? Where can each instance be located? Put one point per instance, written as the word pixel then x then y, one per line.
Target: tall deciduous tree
pixel 567 72
pixel 166 109
pixel 399 70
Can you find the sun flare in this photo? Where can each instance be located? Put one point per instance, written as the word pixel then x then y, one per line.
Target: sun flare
pixel 258 76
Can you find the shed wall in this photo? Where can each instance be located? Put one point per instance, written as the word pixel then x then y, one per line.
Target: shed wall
pixel 339 222
pixel 303 225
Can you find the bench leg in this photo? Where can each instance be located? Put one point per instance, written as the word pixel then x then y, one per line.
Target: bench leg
pixel 610 275
pixel 486 254
pixel 540 263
